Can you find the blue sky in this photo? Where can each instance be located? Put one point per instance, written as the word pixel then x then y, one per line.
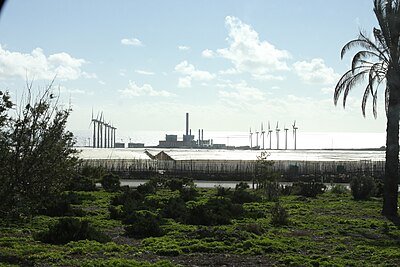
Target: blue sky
pixel 230 64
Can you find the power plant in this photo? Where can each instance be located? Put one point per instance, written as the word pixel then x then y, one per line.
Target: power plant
pixel 188 140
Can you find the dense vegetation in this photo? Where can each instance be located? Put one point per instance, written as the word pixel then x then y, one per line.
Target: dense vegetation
pixel 167 223
pixel 36 152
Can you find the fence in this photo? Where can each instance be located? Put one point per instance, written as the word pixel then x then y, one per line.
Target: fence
pixel 233 169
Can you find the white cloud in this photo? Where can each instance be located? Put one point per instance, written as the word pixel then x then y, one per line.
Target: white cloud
pixel 315 72
pixel 191 73
pixel 39 66
pixel 102 82
pixel 146 90
pixel 183 47
pixel 248 53
pixel 207 53
pixel 185 82
pixel 131 41
pixel 71 91
pixel 242 95
pixel 122 72
pixel 144 72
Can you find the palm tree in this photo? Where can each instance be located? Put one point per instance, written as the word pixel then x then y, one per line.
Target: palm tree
pixel 377 63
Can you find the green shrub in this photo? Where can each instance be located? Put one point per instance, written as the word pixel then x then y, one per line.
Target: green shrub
pixel 241 196
pixel 147 188
pixel 188 193
pixel 143 224
pixel 271 190
pixel 242 186
pixel 308 189
pixel 175 209
pixel 217 211
pixel 279 215
pixel 177 183
pixel 339 189
pixel 71 229
pixel 111 182
pixel 223 191
pixel 80 182
pixel 362 187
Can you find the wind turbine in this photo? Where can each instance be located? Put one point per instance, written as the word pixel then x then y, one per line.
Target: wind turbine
pixel 262 134
pixel 285 129
pixel 270 136
pixel 251 139
pixel 277 135
pixel 257 132
pixel 294 133
pixel 94 130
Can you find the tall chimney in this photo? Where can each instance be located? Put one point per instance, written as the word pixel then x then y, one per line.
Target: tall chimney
pixel 187 123
pixel 202 136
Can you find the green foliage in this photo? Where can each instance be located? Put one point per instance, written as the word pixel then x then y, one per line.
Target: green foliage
pixel 308 189
pixel 142 224
pixel 263 170
pixel 241 196
pixel 223 192
pixel 188 193
pixel 36 152
pixel 62 206
pixel 110 182
pixel 86 178
pixel 216 211
pixel 362 187
pixel 175 209
pixel 339 189
pixel 149 187
pixel 271 190
pixel 70 229
pixel 177 183
pixel 279 214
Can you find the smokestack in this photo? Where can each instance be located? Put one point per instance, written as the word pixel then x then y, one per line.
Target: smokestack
pixel 199 135
pixel 187 123
pixel 202 136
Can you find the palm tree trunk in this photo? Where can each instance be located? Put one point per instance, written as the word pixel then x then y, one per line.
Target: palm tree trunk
pixel 390 187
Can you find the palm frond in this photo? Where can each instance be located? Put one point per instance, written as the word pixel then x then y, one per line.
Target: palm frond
pixel 348 78
pixel 355 79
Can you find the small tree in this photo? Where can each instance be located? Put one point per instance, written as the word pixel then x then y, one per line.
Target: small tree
pixel 36 152
pixel 265 178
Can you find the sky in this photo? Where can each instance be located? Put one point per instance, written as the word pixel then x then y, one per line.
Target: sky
pixel 231 64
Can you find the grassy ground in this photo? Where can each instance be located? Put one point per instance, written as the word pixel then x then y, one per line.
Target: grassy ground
pixel 330 230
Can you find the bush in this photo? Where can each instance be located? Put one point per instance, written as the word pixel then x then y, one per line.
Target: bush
pixel 242 186
pixel 175 209
pixel 271 190
pixel 279 215
pixel 110 182
pixel 339 189
pixel 86 178
pixel 62 206
pixel 223 191
pixel 71 229
pixel 37 156
pixel 177 183
pixel 308 189
pixel 243 196
pixel 147 188
pixel 188 193
pixel 362 187
pixel 143 224
pixel 80 182
pixel 217 211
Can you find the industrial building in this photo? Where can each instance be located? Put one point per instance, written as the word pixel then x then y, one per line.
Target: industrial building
pixel 188 140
